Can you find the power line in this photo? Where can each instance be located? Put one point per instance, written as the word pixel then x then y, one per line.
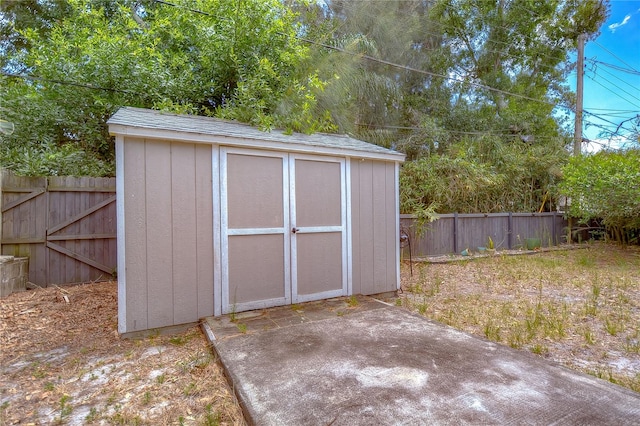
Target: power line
pixel 615 56
pixel 618 125
pixel 595 69
pixel 615 67
pixel 388 63
pixel 612 110
pixel 324 45
pixel 608 89
pixel 459 132
pixel 67 83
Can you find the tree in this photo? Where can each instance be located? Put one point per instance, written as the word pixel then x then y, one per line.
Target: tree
pixel 606 186
pixel 214 57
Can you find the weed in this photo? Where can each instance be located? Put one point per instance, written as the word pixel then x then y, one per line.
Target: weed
pixel 588 336
pixel 179 340
pixel 590 308
pixel 39 372
pixel 613 327
pixel 190 389
pixel 154 334
pixel 65 408
pixel 435 287
pixel 352 301
pixel 211 418
pixel 623 299
pixel 161 378
pixel 516 338
pixel 595 290
pixel 92 416
pixel 3 412
pixel 49 386
pixel 113 397
pixel 146 398
pixel 555 324
pixel 586 261
pixel 398 302
pixel 539 349
pixel 632 345
pixel 492 331
pixel 123 419
pixel 242 328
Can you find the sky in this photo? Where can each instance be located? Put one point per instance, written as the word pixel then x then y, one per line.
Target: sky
pixel 610 93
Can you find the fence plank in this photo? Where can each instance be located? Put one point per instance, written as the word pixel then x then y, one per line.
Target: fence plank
pixel 81 215
pixel 65 225
pixel 451 233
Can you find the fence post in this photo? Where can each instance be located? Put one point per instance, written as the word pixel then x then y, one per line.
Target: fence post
pixel 455 232
pixel 510 231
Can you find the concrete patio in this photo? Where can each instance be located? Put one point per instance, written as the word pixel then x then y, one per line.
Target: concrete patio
pixel 364 362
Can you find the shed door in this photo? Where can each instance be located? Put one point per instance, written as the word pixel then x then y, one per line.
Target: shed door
pixel 283 229
pixel 318 218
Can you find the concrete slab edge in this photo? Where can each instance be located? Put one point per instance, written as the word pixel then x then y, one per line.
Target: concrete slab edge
pixel 206 329
pixel 231 380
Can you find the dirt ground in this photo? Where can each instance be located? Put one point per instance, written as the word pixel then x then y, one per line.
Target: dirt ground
pixel 578 306
pixel 62 362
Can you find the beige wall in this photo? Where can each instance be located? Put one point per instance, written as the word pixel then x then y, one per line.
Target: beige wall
pixel 374 209
pixel 168 210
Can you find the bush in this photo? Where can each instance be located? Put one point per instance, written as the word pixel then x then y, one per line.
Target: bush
pixel 605 186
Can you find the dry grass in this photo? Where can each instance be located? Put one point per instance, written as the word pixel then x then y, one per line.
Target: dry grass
pixel 580 307
pixel 63 363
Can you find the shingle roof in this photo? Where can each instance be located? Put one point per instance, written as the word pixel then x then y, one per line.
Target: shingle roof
pixel 127 117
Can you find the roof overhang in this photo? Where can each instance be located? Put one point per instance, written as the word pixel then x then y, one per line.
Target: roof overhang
pixel 151 124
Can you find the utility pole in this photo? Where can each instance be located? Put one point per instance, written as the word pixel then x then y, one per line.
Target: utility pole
pixel 577 135
pixel 577 138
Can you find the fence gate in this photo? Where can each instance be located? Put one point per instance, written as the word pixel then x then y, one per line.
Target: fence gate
pixel 66 226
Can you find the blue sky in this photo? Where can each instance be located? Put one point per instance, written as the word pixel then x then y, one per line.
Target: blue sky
pixel 610 93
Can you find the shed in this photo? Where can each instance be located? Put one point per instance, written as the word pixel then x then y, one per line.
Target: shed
pixel 216 217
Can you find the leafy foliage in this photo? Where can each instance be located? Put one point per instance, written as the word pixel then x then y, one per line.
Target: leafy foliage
pixel 606 186
pixel 487 176
pixel 471 98
pixel 237 60
pixel 473 104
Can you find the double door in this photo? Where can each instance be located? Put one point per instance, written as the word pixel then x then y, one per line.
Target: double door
pixel 283 228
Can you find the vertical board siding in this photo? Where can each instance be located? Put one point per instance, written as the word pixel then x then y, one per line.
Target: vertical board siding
pixel 365 241
pixel 63 244
pixel 473 230
pixel 373 219
pixel 135 229
pixel 356 252
pixel 378 230
pixel 158 175
pixel 183 226
pixel 391 227
pixel 204 230
pixel 169 233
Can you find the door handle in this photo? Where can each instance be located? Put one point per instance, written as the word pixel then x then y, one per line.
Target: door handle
pixel 294 230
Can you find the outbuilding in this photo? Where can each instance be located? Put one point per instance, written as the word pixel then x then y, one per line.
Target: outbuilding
pixel 216 217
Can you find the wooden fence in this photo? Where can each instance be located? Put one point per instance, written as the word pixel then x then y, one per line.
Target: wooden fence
pixel 66 226
pixel 452 233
